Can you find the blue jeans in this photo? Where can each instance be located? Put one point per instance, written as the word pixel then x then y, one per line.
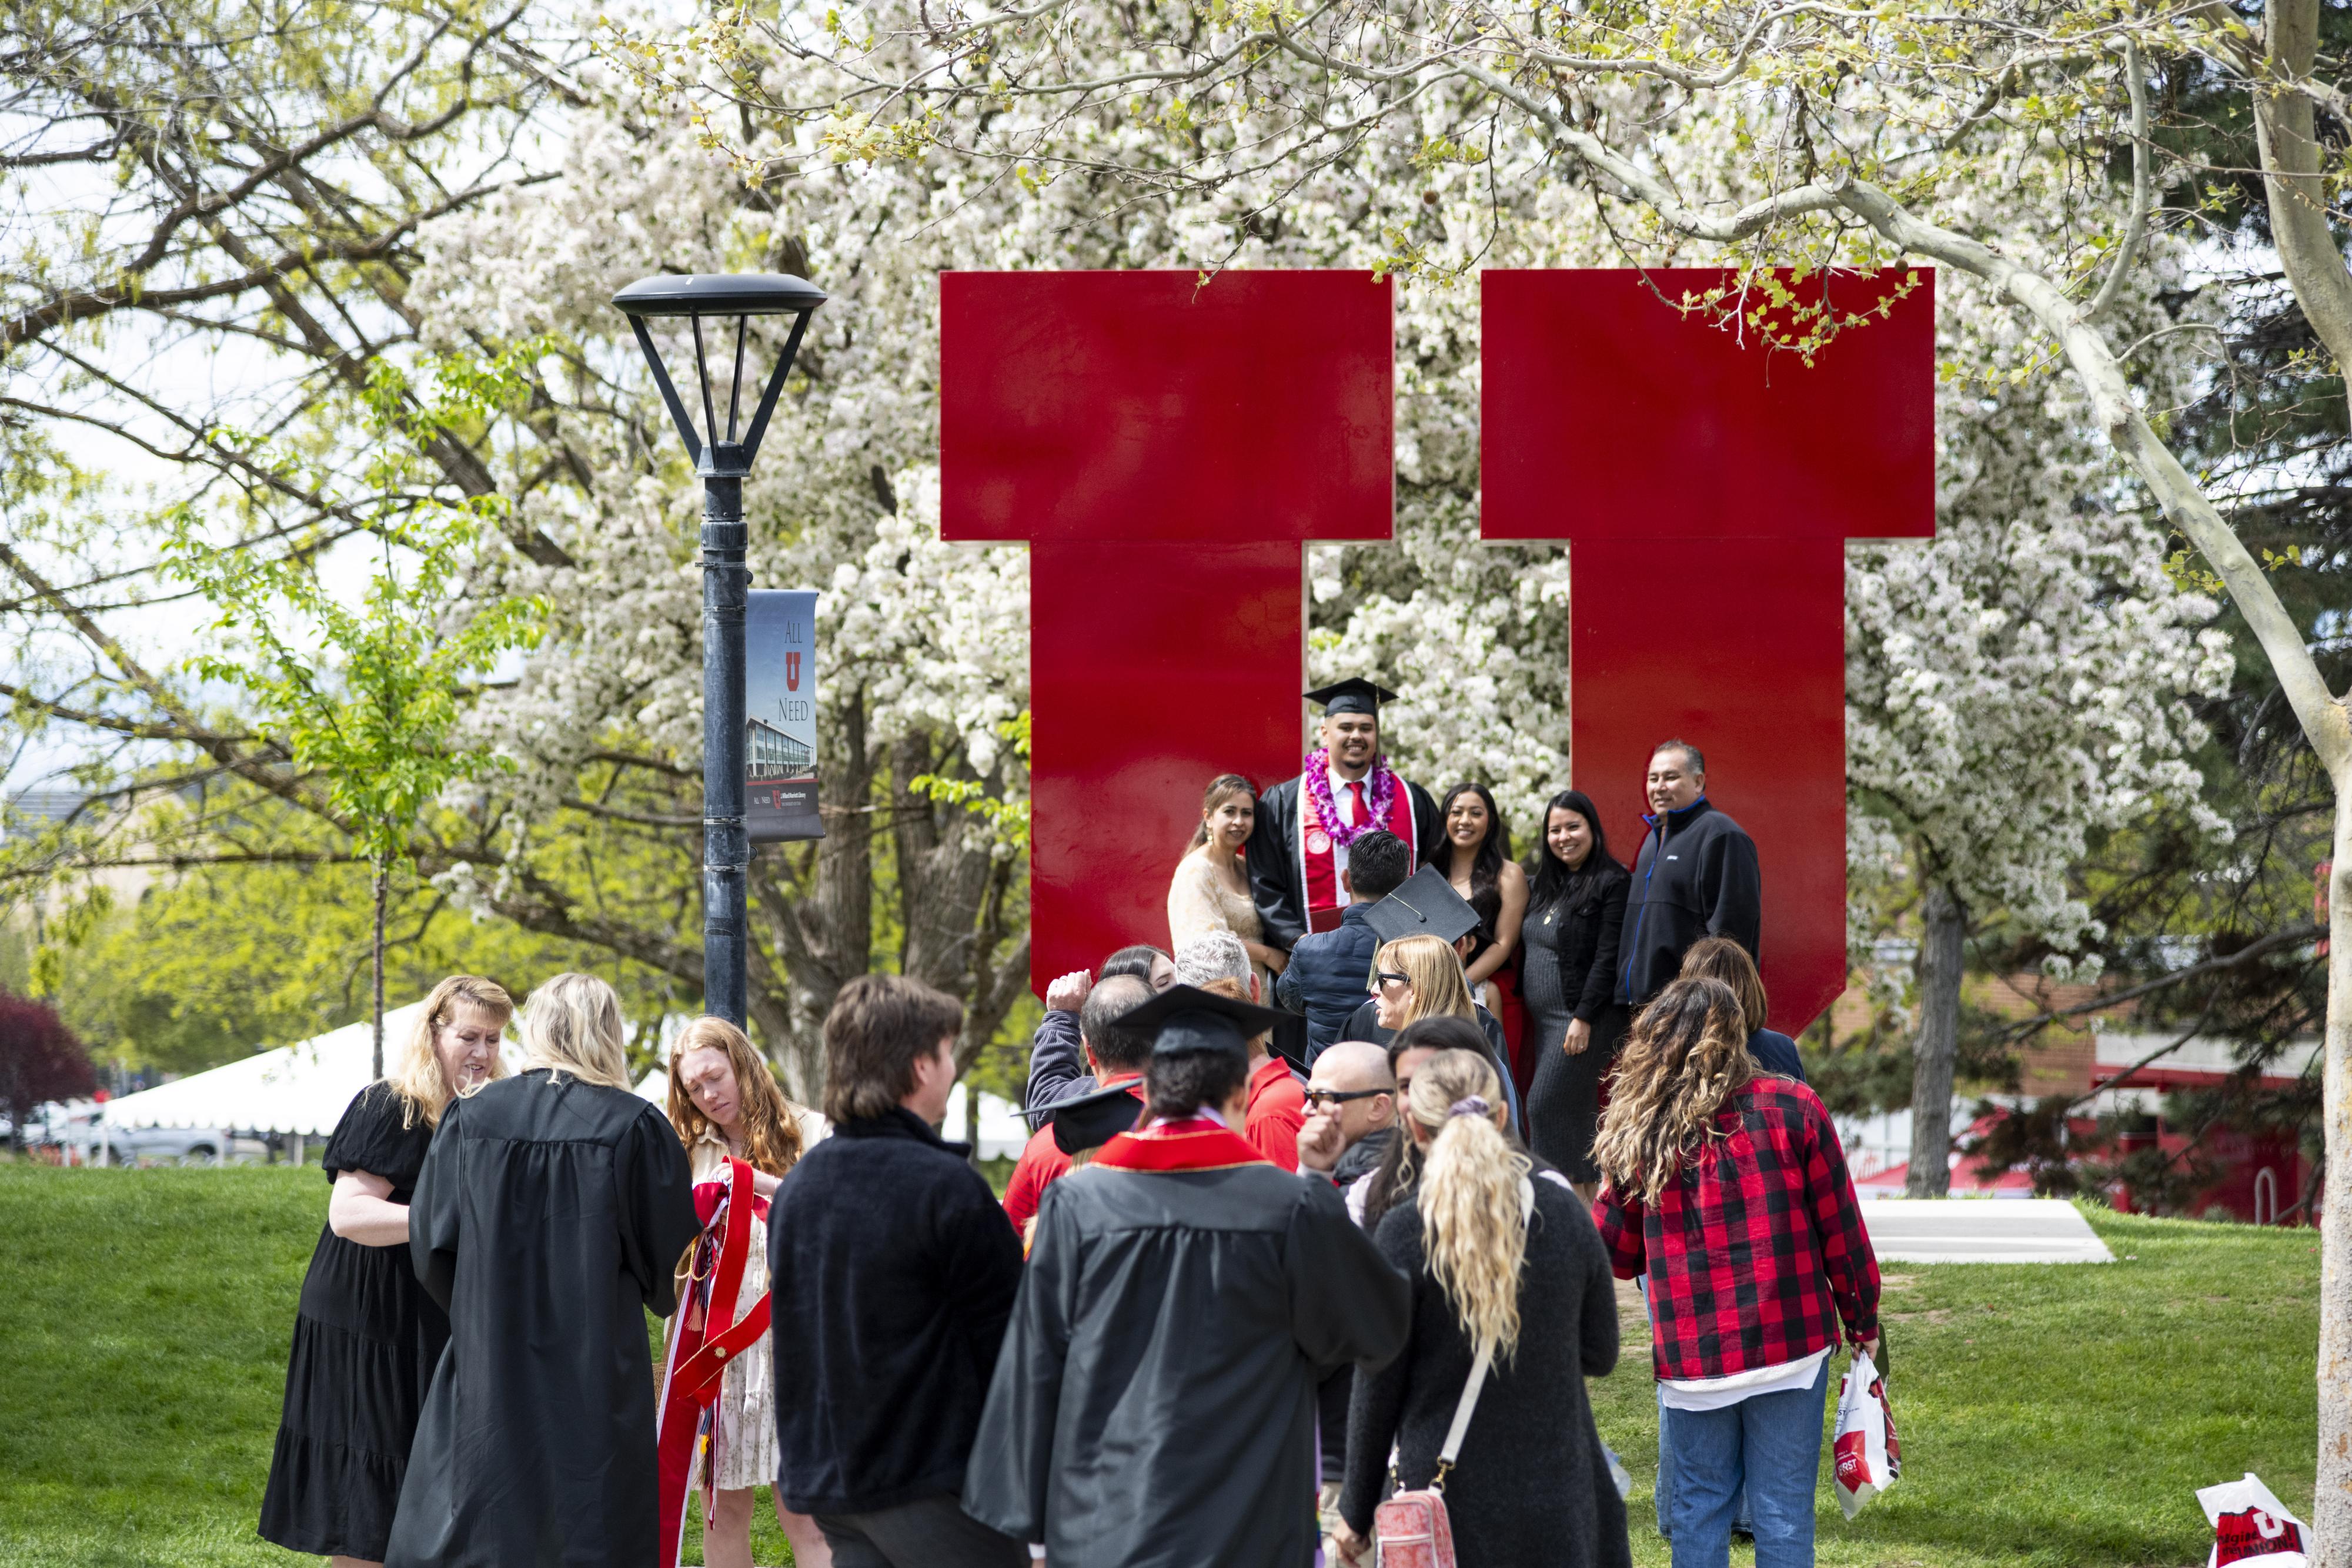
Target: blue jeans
pixel 1772 1442
pixel 1662 1494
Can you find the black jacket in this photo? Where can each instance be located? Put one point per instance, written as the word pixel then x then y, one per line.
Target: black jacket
pixel 1326 976
pixel 1155 1404
pixel 547 1219
pixel 1694 877
pixel 1592 924
pixel 894 1270
pixel 1530 1485
pixel 1276 880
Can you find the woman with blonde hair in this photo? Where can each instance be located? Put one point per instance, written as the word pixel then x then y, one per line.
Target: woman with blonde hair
pixel 726 1106
pixel 1728 1188
pixel 548 1217
pixel 366 1335
pixel 1510 1291
pixel 1211 891
pixel 1417 977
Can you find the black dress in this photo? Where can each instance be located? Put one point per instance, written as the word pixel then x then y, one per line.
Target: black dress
pixel 548 1217
pixel 365 1342
pixel 1571 973
pixel 1531 1485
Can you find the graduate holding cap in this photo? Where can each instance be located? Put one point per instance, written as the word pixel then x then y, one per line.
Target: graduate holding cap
pixel 1154 1401
pixel 1298 847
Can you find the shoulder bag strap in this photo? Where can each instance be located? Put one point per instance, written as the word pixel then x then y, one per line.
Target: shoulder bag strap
pixel 1479 1368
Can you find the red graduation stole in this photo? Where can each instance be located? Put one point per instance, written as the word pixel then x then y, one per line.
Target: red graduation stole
pixel 1194 1144
pixel 1318 867
pixel 696 1366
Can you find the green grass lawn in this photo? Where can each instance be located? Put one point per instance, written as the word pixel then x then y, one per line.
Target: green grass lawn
pixel 2048 1415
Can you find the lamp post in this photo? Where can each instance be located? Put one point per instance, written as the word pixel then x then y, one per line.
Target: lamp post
pixel 722 463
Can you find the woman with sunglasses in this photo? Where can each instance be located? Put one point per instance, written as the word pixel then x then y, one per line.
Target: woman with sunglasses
pixel 1416 977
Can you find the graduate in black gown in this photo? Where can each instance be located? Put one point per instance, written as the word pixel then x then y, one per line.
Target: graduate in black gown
pixel 367 1336
pixel 548 1218
pixel 1299 845
pixel 1154 1402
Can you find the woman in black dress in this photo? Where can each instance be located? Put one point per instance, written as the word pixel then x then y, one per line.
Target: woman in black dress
pixel 367 1336
pixel 1575 914
pixel 1499 1251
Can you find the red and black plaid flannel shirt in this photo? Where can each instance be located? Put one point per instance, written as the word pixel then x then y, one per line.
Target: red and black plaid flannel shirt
pixel 1757 1249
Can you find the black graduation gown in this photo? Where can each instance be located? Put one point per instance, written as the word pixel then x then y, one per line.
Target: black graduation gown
pixel 1154 1404
pixel 547 1221
pixel 1275 886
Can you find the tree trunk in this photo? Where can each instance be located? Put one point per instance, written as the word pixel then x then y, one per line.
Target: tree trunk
pixel 972 1119
pixel 2331 1515
pixel 382 879
pixel 1937 1047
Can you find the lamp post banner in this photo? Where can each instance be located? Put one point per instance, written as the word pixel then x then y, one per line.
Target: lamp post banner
pixel 779 717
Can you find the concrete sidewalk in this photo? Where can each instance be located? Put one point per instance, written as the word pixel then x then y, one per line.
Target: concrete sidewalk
pixel 1980 1230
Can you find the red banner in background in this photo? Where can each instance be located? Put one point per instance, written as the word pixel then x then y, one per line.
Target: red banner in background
pixel 1168 448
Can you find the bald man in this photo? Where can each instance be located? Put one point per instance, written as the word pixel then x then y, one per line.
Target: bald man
pixel 1350 1111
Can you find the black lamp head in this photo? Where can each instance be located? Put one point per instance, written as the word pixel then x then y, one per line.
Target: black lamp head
pixel 719 293
pixel 742 295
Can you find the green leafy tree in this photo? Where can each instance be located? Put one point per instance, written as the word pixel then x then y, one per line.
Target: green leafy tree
pixel 377 717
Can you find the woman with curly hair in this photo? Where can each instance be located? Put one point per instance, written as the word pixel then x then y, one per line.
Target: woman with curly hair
pixel 1728 1188
pixel 725 1105
pixel 1510 1286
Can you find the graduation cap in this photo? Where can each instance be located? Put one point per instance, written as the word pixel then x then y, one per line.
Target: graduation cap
pixel 1186 1019
pixel 1090 1121
pixel 1351 696
pixel 1290 1040
pixel 1426 905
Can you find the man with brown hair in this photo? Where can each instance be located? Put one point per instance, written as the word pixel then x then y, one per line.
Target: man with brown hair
pixel 895 1272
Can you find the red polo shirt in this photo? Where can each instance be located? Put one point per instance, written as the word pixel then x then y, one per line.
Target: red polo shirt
pixel 1043 1163
pixel 1278 1110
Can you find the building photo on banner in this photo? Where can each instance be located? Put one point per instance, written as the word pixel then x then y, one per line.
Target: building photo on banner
pixel 1431 787
pixel 780 715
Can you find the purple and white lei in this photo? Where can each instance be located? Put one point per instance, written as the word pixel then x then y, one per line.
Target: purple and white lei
pixel 1317 775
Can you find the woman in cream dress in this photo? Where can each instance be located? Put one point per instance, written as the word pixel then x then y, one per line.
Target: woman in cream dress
pixel 725 1103
pixel 1211 892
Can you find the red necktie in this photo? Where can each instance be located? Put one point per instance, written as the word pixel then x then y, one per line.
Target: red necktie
pixel 1356 818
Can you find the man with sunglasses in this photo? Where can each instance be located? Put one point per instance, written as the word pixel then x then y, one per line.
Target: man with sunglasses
pixel 1350 1100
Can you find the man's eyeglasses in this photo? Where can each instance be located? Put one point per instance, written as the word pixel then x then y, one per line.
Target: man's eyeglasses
pixel 1318 1098
pixel 1385 977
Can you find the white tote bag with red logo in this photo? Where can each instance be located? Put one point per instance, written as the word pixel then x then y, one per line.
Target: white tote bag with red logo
pixel 1867 1455
pixel 2250 1528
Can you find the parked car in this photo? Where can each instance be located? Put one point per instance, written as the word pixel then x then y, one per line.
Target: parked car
pixel 76 1129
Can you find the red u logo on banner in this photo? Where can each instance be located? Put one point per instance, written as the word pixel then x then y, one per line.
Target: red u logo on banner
pixel 1168 448
pixel 792 670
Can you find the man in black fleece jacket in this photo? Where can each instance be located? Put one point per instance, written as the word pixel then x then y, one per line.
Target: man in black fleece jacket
pixel 1696 876
pixel 894 1271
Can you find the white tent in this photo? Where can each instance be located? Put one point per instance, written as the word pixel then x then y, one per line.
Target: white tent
pixel 1002 1129
pixel 302 1088
pixel 306 1087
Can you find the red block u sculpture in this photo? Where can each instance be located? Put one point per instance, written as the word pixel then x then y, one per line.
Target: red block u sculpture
pixel 1707 487
pixel 1166 448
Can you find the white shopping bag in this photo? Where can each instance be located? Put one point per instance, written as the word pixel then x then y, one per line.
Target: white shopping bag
pixel 1867 1455
pixel 2251 1527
